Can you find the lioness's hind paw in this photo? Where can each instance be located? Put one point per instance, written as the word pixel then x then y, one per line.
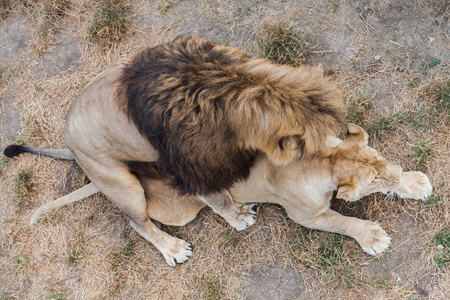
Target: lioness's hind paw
pixel 374 240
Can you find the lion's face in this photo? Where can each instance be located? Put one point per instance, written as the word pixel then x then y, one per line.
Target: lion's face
pixel 359 170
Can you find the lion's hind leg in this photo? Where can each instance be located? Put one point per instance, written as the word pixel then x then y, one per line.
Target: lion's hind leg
pixel 239 216
pixel 77 195
pixel 124 189
pixel 166 205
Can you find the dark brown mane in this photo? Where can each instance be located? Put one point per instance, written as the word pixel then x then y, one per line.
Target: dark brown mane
pixel 161 87
pixel 208 109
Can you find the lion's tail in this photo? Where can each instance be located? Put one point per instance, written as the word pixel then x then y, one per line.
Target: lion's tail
pixel 75 196
pixel 14 150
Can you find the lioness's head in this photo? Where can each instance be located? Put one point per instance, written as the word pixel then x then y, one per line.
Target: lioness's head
pixel 358 169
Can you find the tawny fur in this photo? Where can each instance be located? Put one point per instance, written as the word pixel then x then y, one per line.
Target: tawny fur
pixel 208 109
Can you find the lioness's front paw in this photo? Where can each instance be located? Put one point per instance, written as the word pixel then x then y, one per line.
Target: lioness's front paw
pixel 243 218
pixel 177 251
pixel 414 185
pixel 374 240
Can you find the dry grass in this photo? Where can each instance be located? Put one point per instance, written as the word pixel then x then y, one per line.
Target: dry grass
pixel 439 7
pixel 88 251
pixel 284 44
pixel 47 16
pixel 111 22
pixel 5 7
pixel 165 6
pixel 23 189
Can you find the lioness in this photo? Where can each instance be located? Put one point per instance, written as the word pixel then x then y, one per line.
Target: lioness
pixel 199 114
pixel 303 187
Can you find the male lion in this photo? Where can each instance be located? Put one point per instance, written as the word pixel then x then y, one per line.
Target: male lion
pixel 199 114
pixel 207 109
pixel 303 187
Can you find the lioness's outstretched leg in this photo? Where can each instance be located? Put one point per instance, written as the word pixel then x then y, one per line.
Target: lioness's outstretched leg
pixel 369 235
pixel 123 189
pixel 239 216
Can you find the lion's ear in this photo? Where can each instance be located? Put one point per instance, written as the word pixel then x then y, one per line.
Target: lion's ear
pixel 348 191
pixel 285 150
pixel 357 134
pixel 291 143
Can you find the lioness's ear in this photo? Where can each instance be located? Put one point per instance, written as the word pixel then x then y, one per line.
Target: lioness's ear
pixel 357 133
pixel 348 191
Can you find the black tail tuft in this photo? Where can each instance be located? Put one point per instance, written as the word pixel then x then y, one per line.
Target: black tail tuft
pixel 13 150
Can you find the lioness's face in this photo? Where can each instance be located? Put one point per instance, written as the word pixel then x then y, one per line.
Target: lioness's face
pixel 360 170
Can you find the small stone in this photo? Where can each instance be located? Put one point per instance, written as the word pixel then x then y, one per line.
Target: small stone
pixel 440 247
pixel 378 57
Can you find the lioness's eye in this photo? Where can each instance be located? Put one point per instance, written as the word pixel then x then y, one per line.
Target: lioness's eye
pixel 373 181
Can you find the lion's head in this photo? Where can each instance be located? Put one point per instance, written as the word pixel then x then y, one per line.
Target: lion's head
pixel 358 169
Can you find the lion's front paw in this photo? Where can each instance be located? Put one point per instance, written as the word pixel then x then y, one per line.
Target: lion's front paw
pixel 177 251
pixel 414 185
pixel 374 240
pixel 243 218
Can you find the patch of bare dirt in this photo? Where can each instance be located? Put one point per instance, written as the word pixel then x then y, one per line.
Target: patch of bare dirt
pixel 280 281
pixel 66 55
pixel 9 118
pixel 15 38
